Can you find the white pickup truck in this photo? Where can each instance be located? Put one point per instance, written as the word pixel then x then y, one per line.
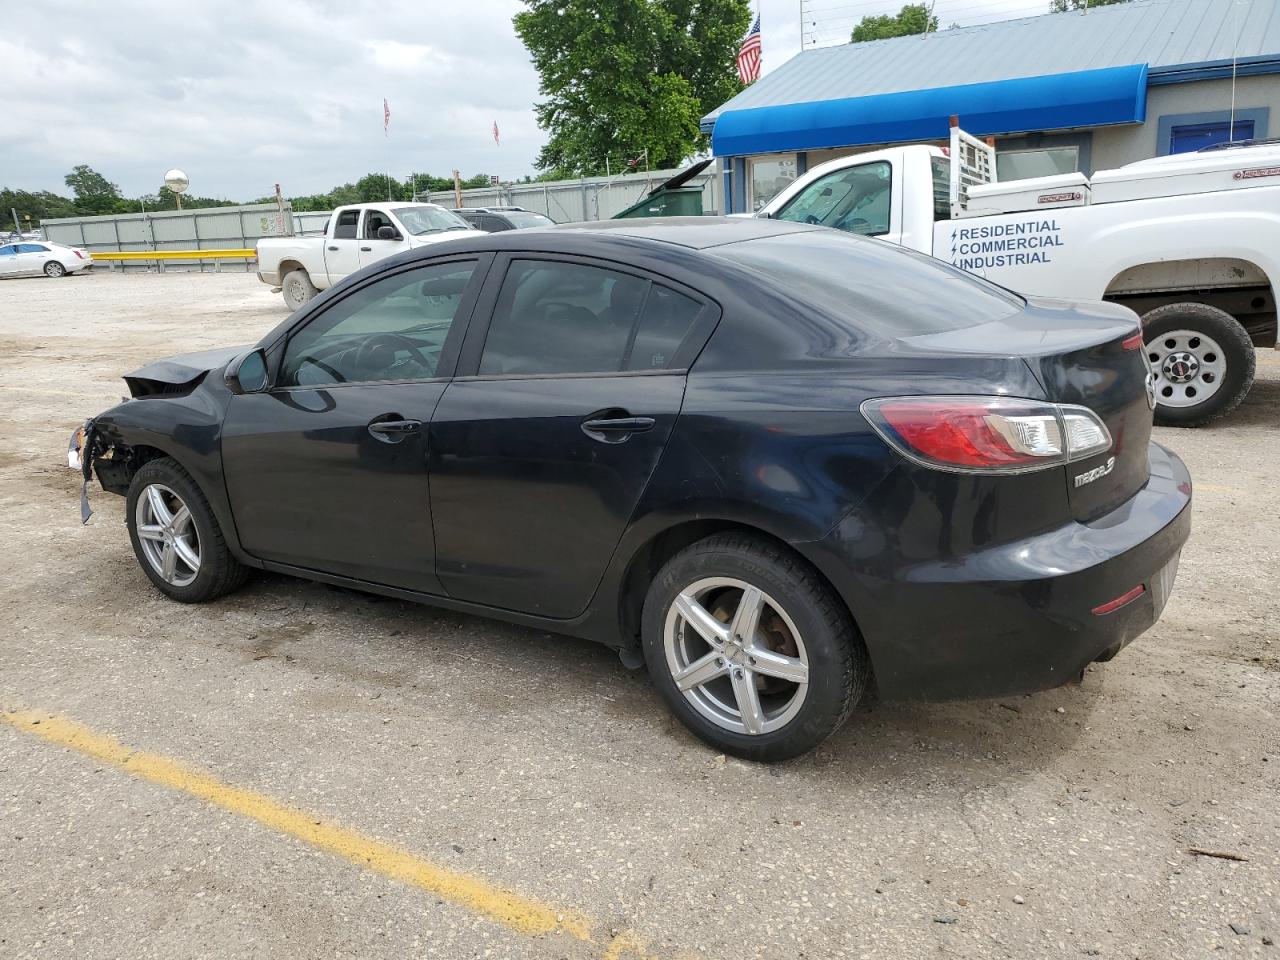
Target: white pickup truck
pixel 354 237
pixel 1191 242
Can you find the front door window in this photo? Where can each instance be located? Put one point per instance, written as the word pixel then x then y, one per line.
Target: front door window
pixel 855 199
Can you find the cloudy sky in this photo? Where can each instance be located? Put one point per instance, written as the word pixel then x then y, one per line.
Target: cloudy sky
pixel 245 95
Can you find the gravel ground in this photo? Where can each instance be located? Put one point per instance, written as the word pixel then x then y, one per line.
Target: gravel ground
pixel 1055 825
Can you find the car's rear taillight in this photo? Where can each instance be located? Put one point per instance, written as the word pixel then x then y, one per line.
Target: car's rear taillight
pixel 987 434
pixel 79 253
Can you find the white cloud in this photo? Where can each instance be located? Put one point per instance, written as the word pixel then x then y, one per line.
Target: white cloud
pixel 244 95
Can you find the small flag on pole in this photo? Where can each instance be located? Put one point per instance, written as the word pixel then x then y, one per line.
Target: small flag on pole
pixel 495 133
pixel 386 116
pixel 749 55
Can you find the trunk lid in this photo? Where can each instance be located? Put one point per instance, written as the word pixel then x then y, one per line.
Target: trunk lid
pixel 1077 353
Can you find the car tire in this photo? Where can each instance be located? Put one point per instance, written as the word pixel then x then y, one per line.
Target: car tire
pixel 166 555
pixel 297 288
pixel 1202 359
pixel 801 623
pixel 54 269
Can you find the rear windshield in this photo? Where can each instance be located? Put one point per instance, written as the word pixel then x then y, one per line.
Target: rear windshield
pixel 883 288
pixel 529 220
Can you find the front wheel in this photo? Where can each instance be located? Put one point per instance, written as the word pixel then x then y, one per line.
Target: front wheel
pixel 1202 362
pixel 176 537
pixel 751 649
pixel 54 269
pixel 297 288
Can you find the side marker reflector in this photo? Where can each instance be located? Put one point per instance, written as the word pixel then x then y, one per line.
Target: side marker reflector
pixel 1120 601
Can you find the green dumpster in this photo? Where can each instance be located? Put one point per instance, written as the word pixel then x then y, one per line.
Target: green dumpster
pixel 672 198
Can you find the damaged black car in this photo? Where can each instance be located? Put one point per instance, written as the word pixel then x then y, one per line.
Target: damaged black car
pixel 776 464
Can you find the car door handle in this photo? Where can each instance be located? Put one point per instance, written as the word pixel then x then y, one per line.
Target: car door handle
pixel 334 247
pixel 616 429
pixel 393 431
pixel 367 249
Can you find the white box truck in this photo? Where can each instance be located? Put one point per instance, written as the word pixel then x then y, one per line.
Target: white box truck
pixel 1191 242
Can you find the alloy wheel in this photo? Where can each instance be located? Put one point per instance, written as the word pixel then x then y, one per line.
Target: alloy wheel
pixel 736 655
pixel 1188 367
pixel 167 533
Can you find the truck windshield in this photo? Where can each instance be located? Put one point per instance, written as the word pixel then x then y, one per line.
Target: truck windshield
pixel 420 220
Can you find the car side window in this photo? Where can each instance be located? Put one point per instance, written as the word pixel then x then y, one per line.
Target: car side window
pixel 558 318
pixel 393 329
pixel 855 199
pixel 373 219
pixel 10 250
pixel 495 224
pixel 345 228
pixel 32 248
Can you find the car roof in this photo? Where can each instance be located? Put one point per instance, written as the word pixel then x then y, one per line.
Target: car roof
pixel 696 233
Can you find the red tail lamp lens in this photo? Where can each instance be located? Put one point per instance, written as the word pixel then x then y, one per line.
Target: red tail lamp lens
pixel 1133 343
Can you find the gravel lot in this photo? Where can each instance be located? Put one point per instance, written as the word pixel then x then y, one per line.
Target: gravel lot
pixel 1044 826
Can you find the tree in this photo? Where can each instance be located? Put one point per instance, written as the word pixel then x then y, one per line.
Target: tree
pixel 1062 6
pixel 95 194
pixel 622 77
pixel 912 19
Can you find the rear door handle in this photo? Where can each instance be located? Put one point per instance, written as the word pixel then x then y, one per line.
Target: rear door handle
pixel 333 248
pixel 616 429
pixel 367 249
pixel 393 431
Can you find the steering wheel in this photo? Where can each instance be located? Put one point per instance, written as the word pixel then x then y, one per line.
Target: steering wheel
pixel 812 219
pixel 378 352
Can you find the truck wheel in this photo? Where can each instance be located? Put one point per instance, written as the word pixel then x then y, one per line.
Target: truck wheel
pixel 297 288
pixel 1202 360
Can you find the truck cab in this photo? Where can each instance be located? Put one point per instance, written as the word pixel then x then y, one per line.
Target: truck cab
pixel 354 237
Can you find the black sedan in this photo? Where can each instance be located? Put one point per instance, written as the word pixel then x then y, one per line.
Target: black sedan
pixel 774 462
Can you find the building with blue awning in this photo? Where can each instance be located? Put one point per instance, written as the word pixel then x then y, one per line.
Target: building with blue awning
pixel 1059 93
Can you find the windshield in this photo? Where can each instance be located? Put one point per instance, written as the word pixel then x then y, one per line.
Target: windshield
pixel 421 220
pixel 519 220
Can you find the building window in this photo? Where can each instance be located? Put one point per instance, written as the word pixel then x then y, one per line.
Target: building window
pixel 1187 132
pixel 1189 137
pixel 770 176
pixel 1044 162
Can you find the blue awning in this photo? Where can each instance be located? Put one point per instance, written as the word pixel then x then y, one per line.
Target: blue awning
pixel 1087 98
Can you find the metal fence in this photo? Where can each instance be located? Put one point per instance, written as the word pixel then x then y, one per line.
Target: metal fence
pixel 222 228
pixel 589 198
pixel 211 228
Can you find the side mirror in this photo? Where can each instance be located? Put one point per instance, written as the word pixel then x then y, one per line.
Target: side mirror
pixel 388 233
pixel 248 374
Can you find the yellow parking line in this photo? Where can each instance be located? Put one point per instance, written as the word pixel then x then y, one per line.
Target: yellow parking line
pixel 512 910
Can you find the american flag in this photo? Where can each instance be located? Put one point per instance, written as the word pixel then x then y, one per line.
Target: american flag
pixel 495 132
pixel 749 55
pixel 386 116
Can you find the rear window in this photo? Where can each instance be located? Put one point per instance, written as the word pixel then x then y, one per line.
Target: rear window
pixel 883 288
pixel 530 220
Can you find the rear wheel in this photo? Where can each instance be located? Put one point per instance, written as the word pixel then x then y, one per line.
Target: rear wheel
pixel 1201 359
pixel 297 288
pixel 750 648
pixel 54 269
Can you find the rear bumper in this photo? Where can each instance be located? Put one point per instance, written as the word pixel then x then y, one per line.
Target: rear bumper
pixel 269 278
pixel 1018 617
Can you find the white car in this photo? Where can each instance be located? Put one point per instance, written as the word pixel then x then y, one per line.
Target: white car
pixel 30 258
